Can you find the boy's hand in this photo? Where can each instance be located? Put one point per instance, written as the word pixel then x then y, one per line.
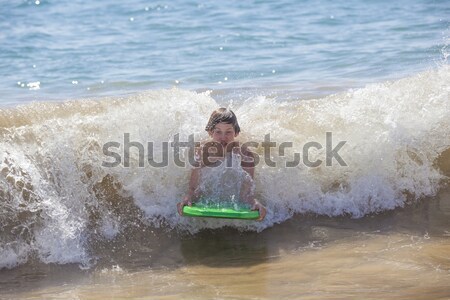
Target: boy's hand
pixel 262 210
pixel 180 205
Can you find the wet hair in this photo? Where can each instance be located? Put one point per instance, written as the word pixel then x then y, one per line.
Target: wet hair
pixel 223 115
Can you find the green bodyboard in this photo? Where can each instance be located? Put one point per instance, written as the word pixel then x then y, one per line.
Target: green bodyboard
pixel 220 211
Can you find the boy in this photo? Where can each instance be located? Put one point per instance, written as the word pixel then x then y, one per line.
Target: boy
pixel 223 128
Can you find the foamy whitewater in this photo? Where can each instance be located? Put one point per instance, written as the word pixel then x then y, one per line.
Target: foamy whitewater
pixel 57 200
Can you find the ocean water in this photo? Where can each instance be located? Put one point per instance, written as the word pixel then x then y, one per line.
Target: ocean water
pixel 78 75
pixel 58 50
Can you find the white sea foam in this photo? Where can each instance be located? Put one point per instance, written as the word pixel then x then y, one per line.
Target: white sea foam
pixel 13 254
pixel 56 194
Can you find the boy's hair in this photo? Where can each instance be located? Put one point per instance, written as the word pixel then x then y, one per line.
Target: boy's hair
pixel 223 115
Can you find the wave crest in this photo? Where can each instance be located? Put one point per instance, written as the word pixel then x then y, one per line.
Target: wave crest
pixel 59 200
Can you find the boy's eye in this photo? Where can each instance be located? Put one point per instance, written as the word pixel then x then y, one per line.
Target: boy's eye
pixel 226 132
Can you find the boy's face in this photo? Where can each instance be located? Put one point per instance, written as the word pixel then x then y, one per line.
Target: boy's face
pixel 223 133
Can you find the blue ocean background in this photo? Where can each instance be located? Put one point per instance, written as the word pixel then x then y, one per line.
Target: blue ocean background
pixel 58 50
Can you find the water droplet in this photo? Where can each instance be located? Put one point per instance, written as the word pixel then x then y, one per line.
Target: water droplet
pixel 132 19
pixel 220 82
pixel 146 9
pixel 220 48
pixel 37 2
pixel 34 85
pixel 74 82
pixel 273 71
pixel 177 81
pixel 226 78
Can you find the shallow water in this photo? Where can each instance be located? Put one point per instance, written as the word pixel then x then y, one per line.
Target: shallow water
pixel 402 254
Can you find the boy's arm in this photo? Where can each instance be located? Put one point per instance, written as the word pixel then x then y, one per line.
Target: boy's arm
pixel 193 185
pixel 192 189
pixel 250 171
pixel 248 162
pixel 194 178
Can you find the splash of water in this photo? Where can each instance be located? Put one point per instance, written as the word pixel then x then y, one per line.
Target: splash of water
pixel 57 199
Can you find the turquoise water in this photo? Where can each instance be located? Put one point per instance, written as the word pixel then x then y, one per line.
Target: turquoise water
pixel 58 50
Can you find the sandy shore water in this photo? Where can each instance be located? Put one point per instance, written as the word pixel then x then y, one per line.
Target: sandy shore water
pixel 402 254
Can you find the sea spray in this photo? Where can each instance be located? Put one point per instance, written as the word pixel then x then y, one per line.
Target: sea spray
pixel 57 200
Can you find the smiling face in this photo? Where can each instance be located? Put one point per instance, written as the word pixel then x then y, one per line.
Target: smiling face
pixel 223 133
